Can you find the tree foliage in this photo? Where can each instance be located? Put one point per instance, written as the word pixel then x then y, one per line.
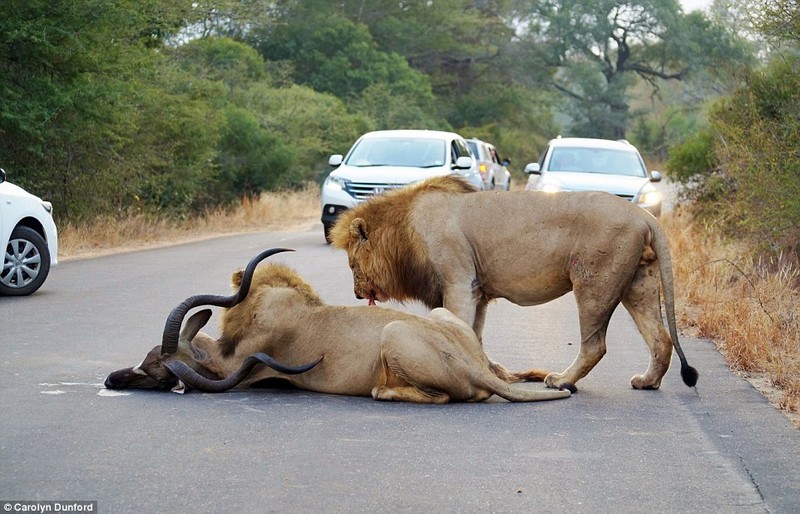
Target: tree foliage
pixel 602 47
pixel 744 169
pixel 175 106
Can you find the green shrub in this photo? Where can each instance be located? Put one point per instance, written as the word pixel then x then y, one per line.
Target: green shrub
pixel 745 171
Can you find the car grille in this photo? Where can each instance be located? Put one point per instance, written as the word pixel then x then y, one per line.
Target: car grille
pixel 365 190
pixel 623 196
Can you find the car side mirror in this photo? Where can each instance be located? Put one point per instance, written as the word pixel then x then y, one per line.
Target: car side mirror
pixel 2 175
pixel 463 163
pixel 533 169
pixel 335 160
pixel 655 176
pixel 506 162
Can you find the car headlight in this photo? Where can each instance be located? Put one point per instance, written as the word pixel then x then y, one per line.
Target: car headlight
pixel 649 198
pixel 335 183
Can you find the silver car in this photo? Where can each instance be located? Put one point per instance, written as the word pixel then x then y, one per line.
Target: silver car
pixel 493 170
pixel 584 164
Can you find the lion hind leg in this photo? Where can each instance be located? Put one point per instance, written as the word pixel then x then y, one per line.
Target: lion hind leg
pixel 644 305
pixel 398 345
pixel 409 394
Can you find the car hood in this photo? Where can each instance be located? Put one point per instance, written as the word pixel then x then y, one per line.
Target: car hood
pixel 387 174
pixel 615 184
pixel 9 189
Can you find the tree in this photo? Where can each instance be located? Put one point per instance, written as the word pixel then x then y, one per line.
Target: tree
pixel 779 19
pixel 744 169
pixel 68 77
pixel 332 54
pixel 600 47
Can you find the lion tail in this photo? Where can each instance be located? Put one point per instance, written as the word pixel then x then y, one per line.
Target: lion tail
pixel 515 393
pixel 660 246
pixel 529 375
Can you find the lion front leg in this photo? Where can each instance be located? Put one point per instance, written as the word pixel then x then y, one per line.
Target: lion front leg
pixel 462 302
pixel 593 348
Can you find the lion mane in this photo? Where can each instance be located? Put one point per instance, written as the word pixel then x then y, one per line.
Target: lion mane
pixel 408 274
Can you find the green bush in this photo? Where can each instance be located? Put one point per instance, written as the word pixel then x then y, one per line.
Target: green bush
pixel 745 171
pixel 693 159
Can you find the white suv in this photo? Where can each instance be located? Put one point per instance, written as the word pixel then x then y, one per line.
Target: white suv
pixel 585 164
pixel 388 159
pixel 28 238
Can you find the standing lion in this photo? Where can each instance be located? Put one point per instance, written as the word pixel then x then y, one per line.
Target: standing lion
pixel 438 242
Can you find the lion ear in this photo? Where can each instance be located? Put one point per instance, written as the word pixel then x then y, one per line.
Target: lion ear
pixel 236 278
pixel 358 229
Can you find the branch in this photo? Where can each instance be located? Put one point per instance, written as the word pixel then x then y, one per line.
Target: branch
pixel 643 70
pixel 737 268
pixel 566 91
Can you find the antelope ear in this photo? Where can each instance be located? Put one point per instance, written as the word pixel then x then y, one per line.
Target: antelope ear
pixel 193 325
pixel 358 229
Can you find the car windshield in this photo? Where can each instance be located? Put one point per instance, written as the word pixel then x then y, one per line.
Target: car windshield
pixel 596 160
pixel 407 151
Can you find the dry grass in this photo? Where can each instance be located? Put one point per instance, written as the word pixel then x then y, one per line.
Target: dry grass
pixel 749 308
pixel 271 211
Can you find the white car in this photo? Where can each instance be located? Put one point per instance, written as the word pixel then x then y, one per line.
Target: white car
pixel 389 159
pixel 493 170
pixel 29 238
pixel 585 164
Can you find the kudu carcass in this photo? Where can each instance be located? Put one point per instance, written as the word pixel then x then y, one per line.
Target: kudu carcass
pixel 183 358
pixel 276 317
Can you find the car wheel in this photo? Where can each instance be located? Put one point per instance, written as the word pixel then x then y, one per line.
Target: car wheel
pixel 327 227
pixel 26 263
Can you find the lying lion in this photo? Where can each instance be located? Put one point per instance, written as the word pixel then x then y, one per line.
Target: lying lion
pixel 277 317
pixel 439 242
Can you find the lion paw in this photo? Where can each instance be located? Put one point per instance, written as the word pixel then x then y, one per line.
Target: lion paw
pixel 557 381
pixel 640 382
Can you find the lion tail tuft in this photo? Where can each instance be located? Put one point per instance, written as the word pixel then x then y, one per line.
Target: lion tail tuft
pixel 689 375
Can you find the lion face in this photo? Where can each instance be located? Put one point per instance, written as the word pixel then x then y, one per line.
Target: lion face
pixel 359 257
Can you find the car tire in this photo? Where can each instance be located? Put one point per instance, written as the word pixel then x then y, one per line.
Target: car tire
pixel 26 263
pixel 327 227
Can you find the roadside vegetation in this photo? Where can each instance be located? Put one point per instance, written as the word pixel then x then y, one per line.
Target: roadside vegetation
pixel 153 121
pixel 747 305
pixel 286 210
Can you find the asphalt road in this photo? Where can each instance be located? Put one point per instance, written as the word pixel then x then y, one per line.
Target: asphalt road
pixel 719 447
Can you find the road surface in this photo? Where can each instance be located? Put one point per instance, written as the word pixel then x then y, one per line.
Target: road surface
pixel 719 447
